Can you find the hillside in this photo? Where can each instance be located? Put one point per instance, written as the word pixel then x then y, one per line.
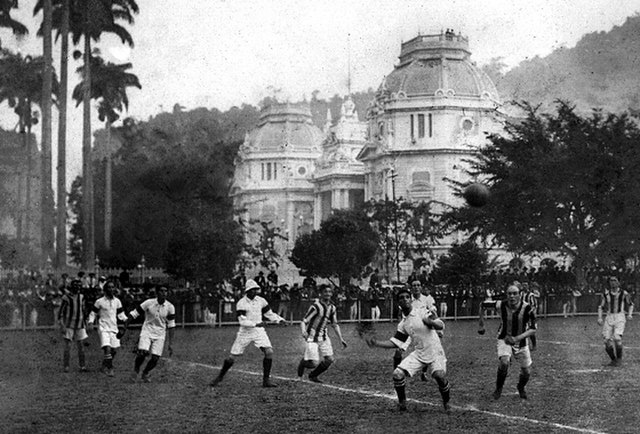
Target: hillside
pixel 602 70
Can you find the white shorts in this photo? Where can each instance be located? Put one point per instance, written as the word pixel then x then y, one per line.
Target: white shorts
pixel 412 365
pixel 109 339
pixel 155 346
pixel 256 335
pixel 522 355
pixel 316 349
pixel 75 334
pixel 613 326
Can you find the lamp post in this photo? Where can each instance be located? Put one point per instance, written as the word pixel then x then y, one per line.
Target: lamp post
pixel 142 267
pixel 395 221
pixel 96 267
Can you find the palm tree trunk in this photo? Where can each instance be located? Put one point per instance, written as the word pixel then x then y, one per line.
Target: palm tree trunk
pixel 61 221
pixel 107 190
pixel 88 248
pixel 46 203
pixel 27 146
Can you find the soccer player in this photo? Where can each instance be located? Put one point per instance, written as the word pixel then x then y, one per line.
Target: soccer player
pixel 314 329
pixel 421 324
pixel 418 300
pixel 250 310
pixel 159 322
pixel 72 322
pixel 530 298
pixel 615 302
pixel 517 323
pixel 108 309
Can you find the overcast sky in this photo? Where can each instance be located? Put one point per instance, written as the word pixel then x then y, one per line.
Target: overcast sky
pixel 217 53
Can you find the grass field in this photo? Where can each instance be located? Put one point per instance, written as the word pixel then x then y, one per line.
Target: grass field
pixel 571 389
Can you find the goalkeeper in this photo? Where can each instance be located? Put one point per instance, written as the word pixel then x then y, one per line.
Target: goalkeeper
pixel 108 309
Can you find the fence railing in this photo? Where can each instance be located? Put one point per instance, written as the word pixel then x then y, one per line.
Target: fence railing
pixel 188 314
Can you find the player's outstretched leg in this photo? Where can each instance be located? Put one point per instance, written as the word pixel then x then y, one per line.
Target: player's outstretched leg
pixel 503 369
pixel 323 366
pixel 305 364
pixel 618 345
pixel 399 383
pixel 267 362
pixel 150 365
pixel 525 373
pixel 228 363
pixel 445 387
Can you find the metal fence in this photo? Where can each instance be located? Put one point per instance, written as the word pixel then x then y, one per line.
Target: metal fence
pixel 189 314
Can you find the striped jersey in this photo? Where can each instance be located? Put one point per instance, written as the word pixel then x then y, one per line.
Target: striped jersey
pixel 317 318
pixel 158 317
pixel 108 310
pixel 514 322
pixel 72 314
pixel 529 298
pixel 615 303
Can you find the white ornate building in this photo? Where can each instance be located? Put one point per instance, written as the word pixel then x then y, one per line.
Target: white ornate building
pixel 428 115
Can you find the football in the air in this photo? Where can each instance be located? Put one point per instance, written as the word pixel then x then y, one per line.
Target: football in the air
pixel 476 194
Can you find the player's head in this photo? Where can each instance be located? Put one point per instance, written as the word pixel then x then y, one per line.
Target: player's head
pixel 251 288
pixel 76 286
pixel 513 295
pixel 326 292
pixel 161 294
pixel 614 283
pixel 416 288
pixel 404 297
pixel 109 289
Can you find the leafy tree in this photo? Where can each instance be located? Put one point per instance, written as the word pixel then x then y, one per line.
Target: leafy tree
pixel 406 230
pixel 342 247
pixel 464 264
pixel 559 183
pixel 7 22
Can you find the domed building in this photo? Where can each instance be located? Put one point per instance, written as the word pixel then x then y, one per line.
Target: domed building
pixel 274 167
pixel 429 114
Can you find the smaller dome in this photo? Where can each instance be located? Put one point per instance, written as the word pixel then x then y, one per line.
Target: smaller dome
pixel 285 126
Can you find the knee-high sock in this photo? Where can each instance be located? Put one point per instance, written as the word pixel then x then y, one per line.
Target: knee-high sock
pixel 107 362
pixel 444 387
pixel 399 385
pixel 228 363
pixel 323 366
pixel 152 364
pixel 304 364
pixel 523 380
pixel 66 355
pixel 266 368
pixel 619 349
pixel 138 363
pixel 609 348
pixel 81 358
pixel 502 376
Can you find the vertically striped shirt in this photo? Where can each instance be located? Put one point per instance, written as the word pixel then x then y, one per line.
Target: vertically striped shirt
pixel 514 322
pixel 317 318
pixel 72 313
pixel 529 298
pixel 615 303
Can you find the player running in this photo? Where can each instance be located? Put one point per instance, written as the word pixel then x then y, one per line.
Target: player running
pixel 517 323
pixel 314 330
pixel 422 325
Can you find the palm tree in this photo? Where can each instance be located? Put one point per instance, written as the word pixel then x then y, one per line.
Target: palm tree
pixel 84 20
pixel 21 85
pixel 7 22
pixel 108 85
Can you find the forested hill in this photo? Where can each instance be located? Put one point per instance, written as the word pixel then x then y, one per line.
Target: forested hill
pixel 602 70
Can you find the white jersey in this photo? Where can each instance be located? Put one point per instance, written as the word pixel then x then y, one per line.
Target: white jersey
pixel 157 317
pixel 250 312
pixel 426 340
pixel 108 310
pixel 423 302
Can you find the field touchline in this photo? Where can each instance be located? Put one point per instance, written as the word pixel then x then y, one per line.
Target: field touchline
pixel 430 404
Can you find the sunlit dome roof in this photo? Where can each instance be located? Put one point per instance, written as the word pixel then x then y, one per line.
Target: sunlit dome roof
pixel 438 65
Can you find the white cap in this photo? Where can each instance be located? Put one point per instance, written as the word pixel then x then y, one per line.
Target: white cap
pixel 251 284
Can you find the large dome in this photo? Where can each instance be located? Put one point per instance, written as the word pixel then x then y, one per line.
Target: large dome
pixel 285 126
pixel 438 65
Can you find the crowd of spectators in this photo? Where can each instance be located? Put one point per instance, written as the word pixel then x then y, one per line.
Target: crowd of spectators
pixel 29 298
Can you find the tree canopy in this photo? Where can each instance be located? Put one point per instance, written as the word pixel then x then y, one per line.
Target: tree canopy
pixel 342 247
pixel 562 183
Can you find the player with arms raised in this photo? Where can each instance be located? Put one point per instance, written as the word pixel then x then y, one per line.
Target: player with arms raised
pixel 422 325
pixel 314 330
pixel 517 323
pixel 250 310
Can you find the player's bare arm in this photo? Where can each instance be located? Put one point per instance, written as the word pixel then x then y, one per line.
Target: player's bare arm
pixel 336 328
pixel 433 322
